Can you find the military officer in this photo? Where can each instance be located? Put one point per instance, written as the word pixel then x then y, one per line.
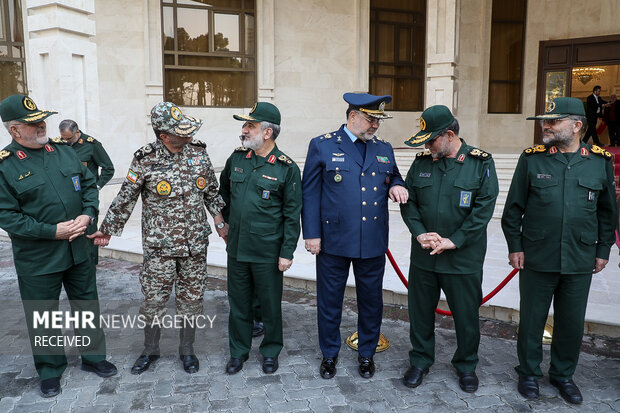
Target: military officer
pixel 175 178
pixel 47 199
pixel 452 192
pixel 261 187
pixel 559 223
pixel 348 177
pixel 91 153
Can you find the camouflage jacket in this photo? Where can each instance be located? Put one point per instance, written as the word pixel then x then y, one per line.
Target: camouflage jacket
pixel 175 189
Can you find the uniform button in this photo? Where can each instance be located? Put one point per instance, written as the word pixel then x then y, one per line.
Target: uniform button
pixel 374 189
pixel 362 173
pixel 327 222
pixel 375 218
pixel 376 203
pixel 364 203
pixel 363 218
pixel 373 174
pixel 337 168
pixel 363 189
pixel 568 167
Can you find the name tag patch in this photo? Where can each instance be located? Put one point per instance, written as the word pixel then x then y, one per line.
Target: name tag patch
pixel 239 170
pixel 543 176
pixel 76 182
pixel 425 175
pixel 465 200
pixel 337 159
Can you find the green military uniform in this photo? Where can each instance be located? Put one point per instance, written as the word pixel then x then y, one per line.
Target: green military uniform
pixel 263 204
pixel 453 197
pixel 91 153
pixel 38 189
pixel 560 213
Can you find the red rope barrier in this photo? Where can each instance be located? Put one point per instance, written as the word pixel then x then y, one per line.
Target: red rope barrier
pixel 444 312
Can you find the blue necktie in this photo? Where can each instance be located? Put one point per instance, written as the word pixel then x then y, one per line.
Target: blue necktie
pixel 361 146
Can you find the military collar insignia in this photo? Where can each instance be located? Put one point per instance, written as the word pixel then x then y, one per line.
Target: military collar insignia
pixel 461 158
pixel 21 154
pixel 249 155
pixel 601 152
pixel 49 147
pixel 584 152
pixel 272 159
pixel 80 141
pixel 553 150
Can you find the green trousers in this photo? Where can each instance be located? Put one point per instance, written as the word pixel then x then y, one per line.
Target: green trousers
pixel 570 297
pixel 41 293
pixel 464 295
pixel 246 279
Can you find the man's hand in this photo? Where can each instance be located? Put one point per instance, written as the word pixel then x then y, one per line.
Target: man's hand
pixel 72 229
pixel 516 259
pixel 599 264
pixel 444 244
pixel 313 245
pixel 100 239
pixel 223 233
pixel 399 193
pixel 284 264
pixel 429 240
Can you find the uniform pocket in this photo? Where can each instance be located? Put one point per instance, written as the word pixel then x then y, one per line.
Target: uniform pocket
pixel 589 190
pixel 28 184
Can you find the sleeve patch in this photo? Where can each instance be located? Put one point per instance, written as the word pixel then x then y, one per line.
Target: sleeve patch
pixel 132 176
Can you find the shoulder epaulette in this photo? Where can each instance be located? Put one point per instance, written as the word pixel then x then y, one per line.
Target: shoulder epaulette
pixel 90 139
pixel 479 153
pixel 197 142
pixel 143 151
pixel 535 149
pixel 4 154
pixel 327 135
pixel 601 152
pixel 423 153
pixel 241 149
pixel 379 139
pixel 58 141
pixel 285 159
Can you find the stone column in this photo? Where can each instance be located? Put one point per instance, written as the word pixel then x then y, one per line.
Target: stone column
pixel 62 61
pixel 442 29
pixel 265 43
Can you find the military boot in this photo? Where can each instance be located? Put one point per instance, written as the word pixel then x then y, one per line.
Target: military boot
pixel 151 350
pixel 186 349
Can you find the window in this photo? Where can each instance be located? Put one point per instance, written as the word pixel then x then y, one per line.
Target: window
pixel 209 51
pixel 506 65
pixel 397 50
pixel 12 59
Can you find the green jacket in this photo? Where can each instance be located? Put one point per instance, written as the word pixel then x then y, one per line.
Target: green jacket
pixel 561 214
pixel 91 153
pixel 38 189
pixel 263 204
pixel 455 198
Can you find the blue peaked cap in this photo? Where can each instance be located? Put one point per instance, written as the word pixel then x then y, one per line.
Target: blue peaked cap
pixel 371 104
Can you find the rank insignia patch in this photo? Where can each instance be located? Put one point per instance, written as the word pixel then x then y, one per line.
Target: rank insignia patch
pixel 85 163
pixel 584 152
pixel 265 194
pixel 383 159
pixel 553 150
pixel 201 182
pixel 22 176
pixel 461 157
pixel 249 155
pixel 163 188
pixel 132 176
pixel 465 200
pixel 80 141
pixel 21 154
pixel 76 182
pixel 49 148
pixel 272 159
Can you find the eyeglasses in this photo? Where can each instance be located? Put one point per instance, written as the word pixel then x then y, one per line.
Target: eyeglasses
pixel 552 121
pixel 370 120
pixel 430 142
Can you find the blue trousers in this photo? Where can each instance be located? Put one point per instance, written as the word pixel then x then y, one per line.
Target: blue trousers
pixel 332 272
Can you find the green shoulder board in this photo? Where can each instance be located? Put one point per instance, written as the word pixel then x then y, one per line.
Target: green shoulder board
pixel 143 151
pixel 241 149
pixel 479 153
pixel 601 152
pixel 58 141
pixel 90 139
pixel 423 153
pixel 4 154
pixel 197 142
pixel 285 159
pixel 535 149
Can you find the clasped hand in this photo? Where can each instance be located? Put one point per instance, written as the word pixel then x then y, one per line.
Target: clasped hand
pixel 434 241
pixel 73 228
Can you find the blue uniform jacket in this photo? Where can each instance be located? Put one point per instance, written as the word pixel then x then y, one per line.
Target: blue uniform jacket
pixel 345 199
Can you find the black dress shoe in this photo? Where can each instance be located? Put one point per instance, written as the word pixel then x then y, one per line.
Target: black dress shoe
pixel 50 387
pixel 101 368
pixel 143 363
pixel 190 363
pixel 258 329
pixel 328 367
pixel 528 387
pixel 568 390
pixel 413 377
pixel 468 381
pixel 270 365
pixel 234 365
pixel 367 367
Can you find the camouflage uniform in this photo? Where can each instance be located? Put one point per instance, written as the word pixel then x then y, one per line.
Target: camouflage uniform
pixel 174 188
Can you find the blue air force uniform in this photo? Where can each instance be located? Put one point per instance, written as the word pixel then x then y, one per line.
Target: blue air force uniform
pixel 345 205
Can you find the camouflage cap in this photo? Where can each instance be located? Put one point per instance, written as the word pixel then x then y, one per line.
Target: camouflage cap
pixel 23 109
pixel 167 117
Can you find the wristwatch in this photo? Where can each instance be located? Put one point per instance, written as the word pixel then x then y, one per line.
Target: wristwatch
pixel 91 219
pixel 220 225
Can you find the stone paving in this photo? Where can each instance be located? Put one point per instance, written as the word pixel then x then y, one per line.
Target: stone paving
pixel 296 386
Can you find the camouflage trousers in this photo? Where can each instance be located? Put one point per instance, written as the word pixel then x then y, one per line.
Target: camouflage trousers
pixel 160 274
